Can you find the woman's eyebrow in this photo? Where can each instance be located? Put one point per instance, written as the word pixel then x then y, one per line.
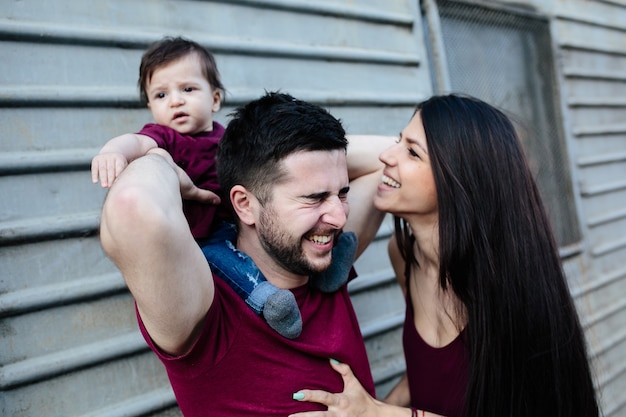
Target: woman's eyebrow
pixel 416 143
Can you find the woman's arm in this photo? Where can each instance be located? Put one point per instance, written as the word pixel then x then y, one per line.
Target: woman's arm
pixel 399 394
pixel 397 262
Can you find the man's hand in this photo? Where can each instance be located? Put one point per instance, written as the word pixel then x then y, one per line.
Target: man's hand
pixel 188 189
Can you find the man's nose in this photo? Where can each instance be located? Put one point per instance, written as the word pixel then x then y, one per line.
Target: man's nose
pixel 336 212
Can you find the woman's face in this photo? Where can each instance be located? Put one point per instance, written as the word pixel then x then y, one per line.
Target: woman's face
pixel 408 188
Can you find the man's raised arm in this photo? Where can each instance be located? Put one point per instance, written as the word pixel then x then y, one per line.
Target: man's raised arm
pixel 144 232
pixel 365 172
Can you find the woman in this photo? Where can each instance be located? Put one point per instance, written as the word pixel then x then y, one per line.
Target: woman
pixel 491 327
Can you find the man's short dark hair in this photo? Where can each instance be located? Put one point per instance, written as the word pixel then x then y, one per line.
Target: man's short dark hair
pixel 265 131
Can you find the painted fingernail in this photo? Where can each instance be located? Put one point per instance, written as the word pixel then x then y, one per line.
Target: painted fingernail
pixel 298 396
pixel 335 361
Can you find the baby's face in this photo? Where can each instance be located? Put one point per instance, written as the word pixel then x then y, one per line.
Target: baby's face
pixel 180 97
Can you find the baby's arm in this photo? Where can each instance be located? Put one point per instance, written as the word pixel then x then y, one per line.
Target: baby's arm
pixel 116 154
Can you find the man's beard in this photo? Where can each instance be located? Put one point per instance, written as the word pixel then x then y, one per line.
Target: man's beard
pixel 284 248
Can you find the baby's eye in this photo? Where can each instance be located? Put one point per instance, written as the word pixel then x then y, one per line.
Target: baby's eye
pixel 188 89
pixel 159 95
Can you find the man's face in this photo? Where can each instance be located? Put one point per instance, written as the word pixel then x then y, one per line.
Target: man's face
pixel 298 226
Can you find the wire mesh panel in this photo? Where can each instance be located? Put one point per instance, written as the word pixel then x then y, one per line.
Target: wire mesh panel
pixel 504 56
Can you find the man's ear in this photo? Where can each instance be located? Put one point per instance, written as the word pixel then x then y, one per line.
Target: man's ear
pixel 244 203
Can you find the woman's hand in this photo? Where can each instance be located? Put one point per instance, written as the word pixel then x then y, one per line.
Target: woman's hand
pixel 353 401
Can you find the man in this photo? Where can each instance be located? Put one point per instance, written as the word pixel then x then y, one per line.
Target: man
pixel 284 164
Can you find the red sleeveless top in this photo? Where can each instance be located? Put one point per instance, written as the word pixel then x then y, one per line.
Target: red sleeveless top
pixel 438 377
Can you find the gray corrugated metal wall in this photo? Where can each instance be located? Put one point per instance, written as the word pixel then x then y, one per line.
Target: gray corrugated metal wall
pixel 69 344
pixel 68 70
pixel 590 44
pixel 591 37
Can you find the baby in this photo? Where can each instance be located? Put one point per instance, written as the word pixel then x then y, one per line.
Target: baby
pixel 180 83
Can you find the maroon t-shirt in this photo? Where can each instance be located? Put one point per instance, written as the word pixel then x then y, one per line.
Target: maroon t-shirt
pixel 241 367
pixel 196 156
pixel 438 377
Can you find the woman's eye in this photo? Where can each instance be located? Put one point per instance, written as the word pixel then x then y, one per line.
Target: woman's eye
pixel 413 153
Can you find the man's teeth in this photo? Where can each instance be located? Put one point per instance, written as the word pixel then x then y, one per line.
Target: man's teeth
pixel 390 182
pixel 320 240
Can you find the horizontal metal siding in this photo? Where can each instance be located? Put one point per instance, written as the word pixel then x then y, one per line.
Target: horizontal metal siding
pixel 68 83
pixel 592 45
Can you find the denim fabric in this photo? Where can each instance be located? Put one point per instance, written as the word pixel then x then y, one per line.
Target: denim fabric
pixel 237 268
pixel 243 276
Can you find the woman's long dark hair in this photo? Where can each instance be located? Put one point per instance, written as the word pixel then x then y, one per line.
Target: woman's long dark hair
pixel 527 349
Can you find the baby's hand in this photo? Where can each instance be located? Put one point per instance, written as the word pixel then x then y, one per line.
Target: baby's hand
pixel 107 167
